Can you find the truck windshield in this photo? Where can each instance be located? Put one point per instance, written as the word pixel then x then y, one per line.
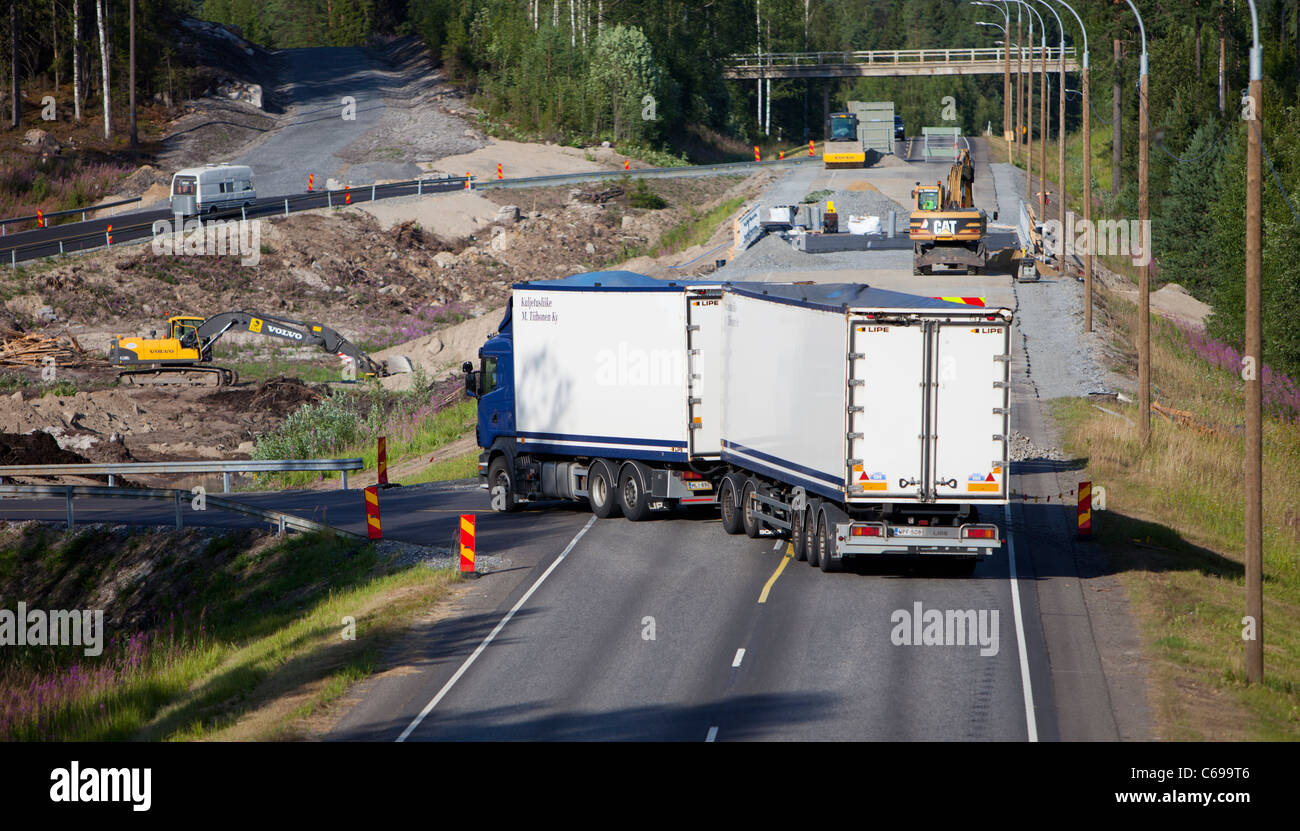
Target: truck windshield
pixel 843 129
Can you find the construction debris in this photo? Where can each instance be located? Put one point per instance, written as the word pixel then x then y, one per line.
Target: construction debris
pixel 36 350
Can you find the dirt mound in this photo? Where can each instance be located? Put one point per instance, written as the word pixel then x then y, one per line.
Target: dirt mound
pixel 37 448
pixel 277 396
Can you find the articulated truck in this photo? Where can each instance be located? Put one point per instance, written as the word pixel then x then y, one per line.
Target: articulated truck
pixel 859 422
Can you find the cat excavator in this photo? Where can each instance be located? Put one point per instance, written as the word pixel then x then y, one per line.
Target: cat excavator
pixel 184 356
pixel 946 228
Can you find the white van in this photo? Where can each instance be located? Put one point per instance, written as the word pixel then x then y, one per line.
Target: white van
pixel 212 188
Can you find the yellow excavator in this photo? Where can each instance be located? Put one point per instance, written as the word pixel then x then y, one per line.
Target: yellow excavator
pixel 946 229
pixel 185 354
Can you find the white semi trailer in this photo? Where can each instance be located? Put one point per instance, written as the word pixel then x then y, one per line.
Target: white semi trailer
pixel 860 422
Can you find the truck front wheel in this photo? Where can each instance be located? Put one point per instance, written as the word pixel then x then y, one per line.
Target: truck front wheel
pixel 600 491
pixel 501 486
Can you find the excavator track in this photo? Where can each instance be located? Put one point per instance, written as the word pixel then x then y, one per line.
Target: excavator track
pixel 185 376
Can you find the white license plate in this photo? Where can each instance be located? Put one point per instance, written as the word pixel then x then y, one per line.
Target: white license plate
pixel 909 532
pixel 699 486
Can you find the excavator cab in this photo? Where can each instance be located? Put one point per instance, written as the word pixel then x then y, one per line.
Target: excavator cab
pixel 185 330
pixel 927 199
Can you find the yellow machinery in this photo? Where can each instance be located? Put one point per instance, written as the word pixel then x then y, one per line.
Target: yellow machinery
pixel 843 148
pixel 182 357
pixel 946 228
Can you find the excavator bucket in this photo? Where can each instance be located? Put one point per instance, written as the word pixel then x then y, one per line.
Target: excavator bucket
pixel 398 365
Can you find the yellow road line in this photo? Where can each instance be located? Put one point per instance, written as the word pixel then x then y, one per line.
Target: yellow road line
pixel 789 554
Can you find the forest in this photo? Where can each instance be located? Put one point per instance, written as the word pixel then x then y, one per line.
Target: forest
pixel 648 75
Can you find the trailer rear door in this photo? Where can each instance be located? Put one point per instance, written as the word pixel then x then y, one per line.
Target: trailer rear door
pixel 969 372
pixel 704 363
pixel 886 417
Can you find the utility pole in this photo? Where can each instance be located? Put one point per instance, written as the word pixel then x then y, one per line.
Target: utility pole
pixel 16 108
pixel 135 138
pixel 1116 133
pixel 1020 79
pixel 1253 361
pixel 1007 132
pixel 1144 216
pixel 1029 120
pixel 1042 129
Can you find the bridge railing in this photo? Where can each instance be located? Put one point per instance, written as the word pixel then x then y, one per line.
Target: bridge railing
pixel 979 54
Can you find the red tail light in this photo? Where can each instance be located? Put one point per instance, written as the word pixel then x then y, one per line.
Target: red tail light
pixel 980 533
pixel 866 531
pixel 690 474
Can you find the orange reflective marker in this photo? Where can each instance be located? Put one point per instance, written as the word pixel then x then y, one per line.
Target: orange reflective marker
pixel 810 147
pixel 782 157
pixel 347 194
pixel 311 180
pixel 109 232
pixel 466 180
pixel 757 158
pixel 467 566
pixel 40 218
pixel 499 176
pixel 373 529
pixel 1085 510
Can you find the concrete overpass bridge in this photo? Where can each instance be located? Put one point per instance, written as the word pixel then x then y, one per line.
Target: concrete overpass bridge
pixel 890 63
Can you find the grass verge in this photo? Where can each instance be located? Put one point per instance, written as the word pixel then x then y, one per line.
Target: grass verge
pixel 1174 533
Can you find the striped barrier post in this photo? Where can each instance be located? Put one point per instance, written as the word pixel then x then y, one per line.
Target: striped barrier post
pixel 1085 510
pixel 373 529
pixel 810 149
pixel 347 194
pixel 383 460
pixel 782 156
pixel 757 158
pixel 40 218
pixel 311 181
pixel 109 234
pixel 467 566
pixel 467 180
pixel 499 174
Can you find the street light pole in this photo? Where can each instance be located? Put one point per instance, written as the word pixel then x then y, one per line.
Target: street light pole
pixel 1253 360
pixel 1060 131
pixel 1006 71
pixel 1087 178
pixel 1144 276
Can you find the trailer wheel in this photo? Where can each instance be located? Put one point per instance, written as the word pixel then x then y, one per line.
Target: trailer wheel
pixel 632 497
pixel 731 520
pixel 826 544
pixel 798 519
pixel 504 499
pixel 749 510
pixel 600 490
pixel 810 532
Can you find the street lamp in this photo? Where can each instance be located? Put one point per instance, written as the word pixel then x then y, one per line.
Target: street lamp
pixel 1087 176
pixel 1006 70
pixel 1042 111
pixel 1060 132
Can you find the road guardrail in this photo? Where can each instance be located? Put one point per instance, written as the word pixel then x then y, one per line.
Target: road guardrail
pixel 225 468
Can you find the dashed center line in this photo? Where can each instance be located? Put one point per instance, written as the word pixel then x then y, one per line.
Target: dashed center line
pixel 740 656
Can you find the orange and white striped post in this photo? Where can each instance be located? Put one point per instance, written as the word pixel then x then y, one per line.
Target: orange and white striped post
pixel 109 234
pixel 467 567
pixel 311 181
pixel 499 174
pixel 40 218
pixel 373 529
pixel 382 460
pixel 810 148
pixel 1085 510
pixel 757 158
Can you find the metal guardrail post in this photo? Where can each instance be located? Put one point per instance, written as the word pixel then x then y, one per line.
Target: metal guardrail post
pixel 68 495
pixel 345 480
pixel 180 517
pixel 112 480
pixel 225 483
pixel 279 527
pixel 372 193
pixel 419 187
pixel 329 198
pixel 286 206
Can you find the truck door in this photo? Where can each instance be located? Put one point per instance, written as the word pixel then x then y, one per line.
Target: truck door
pixel 969 394
pixel 886 413
pixel 496 397
pixel 704 367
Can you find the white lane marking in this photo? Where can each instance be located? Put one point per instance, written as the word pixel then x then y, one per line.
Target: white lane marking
pixel 740 656
pixel 428 708
pixel 777 544
pixel 1026 686
pixel 713 735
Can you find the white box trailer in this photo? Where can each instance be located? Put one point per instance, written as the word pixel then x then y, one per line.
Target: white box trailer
pixel 876 419
pixel 212 188
pixel 611 376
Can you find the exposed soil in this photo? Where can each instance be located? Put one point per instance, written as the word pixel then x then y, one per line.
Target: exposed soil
pixel 35 449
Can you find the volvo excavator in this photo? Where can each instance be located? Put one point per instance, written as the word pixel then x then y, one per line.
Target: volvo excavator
pixel 946 228
pixel 184 356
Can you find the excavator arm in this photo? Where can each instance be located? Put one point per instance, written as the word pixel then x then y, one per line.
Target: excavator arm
pixel 296 331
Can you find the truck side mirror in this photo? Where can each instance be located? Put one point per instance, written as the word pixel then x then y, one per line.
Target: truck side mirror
pixel 995 216
pixel 471 379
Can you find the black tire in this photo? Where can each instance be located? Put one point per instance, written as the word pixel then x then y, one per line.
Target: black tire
pixel 731 519
pixel 632 496
pixel 826 544
pixel 797 542
pixel 499 476
pixel 600 491
pixel 749 510
pixel 810 533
